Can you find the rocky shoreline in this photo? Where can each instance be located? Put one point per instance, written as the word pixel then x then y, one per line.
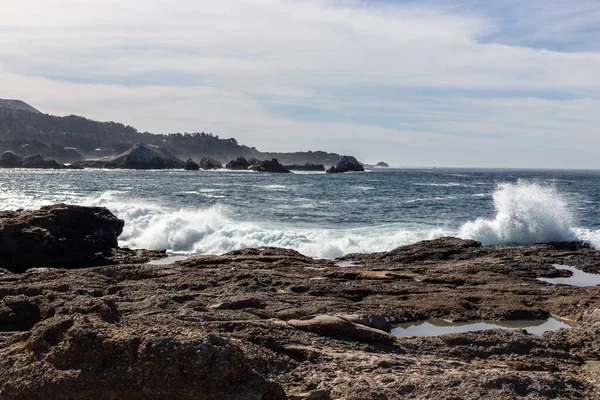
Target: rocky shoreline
pixel 270 323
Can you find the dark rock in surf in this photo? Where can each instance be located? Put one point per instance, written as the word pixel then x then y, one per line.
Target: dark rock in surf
pixel 238 164
pixel 8 159
pixel 37 161
pixel 210 163
pixel 57 236
pixel 305 167
pixel 269 166
pixel 346 164
pixel 139 156
pixel 191 165
pixel 382 164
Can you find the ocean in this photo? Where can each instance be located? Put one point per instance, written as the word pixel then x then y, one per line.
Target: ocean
pixel 318 214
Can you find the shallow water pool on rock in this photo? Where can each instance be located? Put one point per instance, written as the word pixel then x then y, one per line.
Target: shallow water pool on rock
pixel 168 260
pixel 435 327
pixel 579 278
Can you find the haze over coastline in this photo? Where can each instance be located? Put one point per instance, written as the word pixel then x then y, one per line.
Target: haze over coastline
pixel 493 84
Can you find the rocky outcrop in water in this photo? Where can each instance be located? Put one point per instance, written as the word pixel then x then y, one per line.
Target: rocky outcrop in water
pixel 269 166
pixel 346 164
pixel 58 236
pixel 382 164
pixel 210 163
pixel 140 156
pixel 191 165
pixel 255 322
pixel 9 159
pixel 239 164
pixel 305 167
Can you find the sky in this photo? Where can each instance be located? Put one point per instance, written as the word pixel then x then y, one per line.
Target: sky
pixel 465 83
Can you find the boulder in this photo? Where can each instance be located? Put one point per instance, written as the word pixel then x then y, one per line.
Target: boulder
pixel 382 164
pixel 305 167
pixel 8 159
pixel 333 326
pixel 82 357
pixel 210 163
pixel 191 165
pixel 139 156
pixel 238 164
pixel 57 236
pixel 346 164
pixel 269 166
pixel 37 161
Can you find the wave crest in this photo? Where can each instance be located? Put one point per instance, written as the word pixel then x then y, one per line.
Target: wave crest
pixel 526 212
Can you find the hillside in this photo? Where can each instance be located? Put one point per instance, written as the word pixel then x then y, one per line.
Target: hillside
pixel 26 131
pixel 17 105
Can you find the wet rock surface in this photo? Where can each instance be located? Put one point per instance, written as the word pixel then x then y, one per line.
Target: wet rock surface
pixel 346 164
pixel 257 322
pixel 59 236
pixel 209 163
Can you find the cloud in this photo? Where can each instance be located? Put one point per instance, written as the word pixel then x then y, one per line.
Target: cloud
pixel 414 83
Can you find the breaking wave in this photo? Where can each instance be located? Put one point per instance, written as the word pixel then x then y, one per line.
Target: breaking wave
pixel 526 212
pixel 214 230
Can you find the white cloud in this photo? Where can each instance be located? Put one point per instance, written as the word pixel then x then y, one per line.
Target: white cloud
pixel 210 65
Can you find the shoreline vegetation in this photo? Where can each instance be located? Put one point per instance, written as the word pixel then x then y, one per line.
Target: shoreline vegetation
pixel 81 318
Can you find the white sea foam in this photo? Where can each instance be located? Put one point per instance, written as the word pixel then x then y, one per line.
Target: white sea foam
pixel 526 212
pixel 214 230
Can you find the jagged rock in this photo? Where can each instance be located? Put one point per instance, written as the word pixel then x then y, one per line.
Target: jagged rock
pixel 85 358
pixel 37 161
pixel 140 156
pixel 191 165
pixel 305 167
pixel 269 166
pixel 8 159
pixel 61 236
pixel 210 163
pixel 346 164
pixel 238 164
pixel 332 326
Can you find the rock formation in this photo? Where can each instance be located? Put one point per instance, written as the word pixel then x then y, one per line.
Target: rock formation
pixel 238 164
pixel 191 165
pixel 9 159
pixel 140 156
pixel 269 166
pixel 271 324
pixel 382 164
pixel 210 163
pixel 346 164
pixel 59 236
pixel 305 167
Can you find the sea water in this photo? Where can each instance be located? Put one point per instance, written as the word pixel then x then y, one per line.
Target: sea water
pixel 322 215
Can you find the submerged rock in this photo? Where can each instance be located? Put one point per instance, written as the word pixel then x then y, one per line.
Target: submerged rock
pixel 210 163
pixel 269 166
pixel 60 236
pixel 191 165
pixel 139 156
pixel 346 164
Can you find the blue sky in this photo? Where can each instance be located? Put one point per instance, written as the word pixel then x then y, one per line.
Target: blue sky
pixel 415 83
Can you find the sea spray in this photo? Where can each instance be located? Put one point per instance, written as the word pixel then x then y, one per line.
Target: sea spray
pixel 217 229
pixel 526 212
